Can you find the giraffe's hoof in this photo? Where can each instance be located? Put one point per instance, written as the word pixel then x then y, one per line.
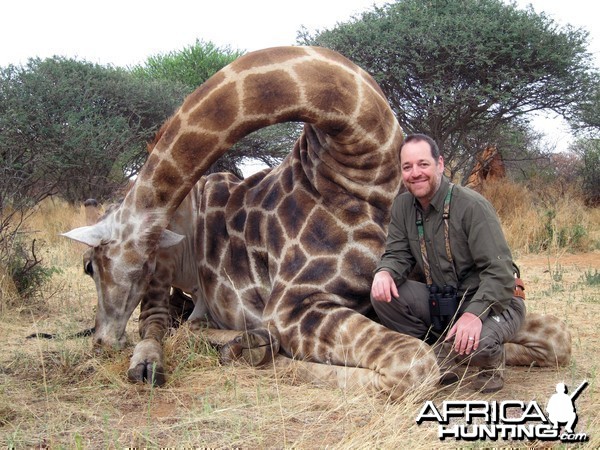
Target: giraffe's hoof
pixel 147 372
pixel 255 348
pixel 146 363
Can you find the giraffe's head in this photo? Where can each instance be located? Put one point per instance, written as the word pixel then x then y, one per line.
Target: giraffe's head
pixel 121 263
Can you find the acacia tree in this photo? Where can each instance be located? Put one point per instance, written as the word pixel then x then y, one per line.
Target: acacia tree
pixel 80 127
pixel 586 122
pixel 191 66
pixel 585 117
pixel 460 70
pixel 589 152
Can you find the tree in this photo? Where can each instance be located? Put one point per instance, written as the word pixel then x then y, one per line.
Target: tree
pixel 586 123
pixel 460 70
pixel 69 128
pixel 191 66
pixel 270 145
pixel 585 118
pixel 77 129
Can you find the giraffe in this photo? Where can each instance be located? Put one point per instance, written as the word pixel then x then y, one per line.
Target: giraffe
pixel 291 250
pixel 287 253
pixel 543 340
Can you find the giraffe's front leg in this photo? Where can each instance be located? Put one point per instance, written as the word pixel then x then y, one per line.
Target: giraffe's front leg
pixel 147 364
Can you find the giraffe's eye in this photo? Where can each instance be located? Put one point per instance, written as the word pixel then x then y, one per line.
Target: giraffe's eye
pixel 88 268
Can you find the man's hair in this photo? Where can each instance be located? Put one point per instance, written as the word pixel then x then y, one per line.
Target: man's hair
pixel 417 137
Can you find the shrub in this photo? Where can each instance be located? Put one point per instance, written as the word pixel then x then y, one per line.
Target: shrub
pixel 591 278
pixel 26 269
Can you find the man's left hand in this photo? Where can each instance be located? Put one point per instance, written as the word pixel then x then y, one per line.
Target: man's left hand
pixel 467 331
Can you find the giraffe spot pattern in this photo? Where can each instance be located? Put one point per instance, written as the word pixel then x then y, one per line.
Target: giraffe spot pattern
pixel 318 271
pixel 322 234
pixel 293 261
pixel 269 94
pixel 165 180
pixel 218 110
pixel 199 95
pixel 293 212
pixel 187 147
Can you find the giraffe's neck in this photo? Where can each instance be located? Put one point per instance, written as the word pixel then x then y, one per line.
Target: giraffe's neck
pixel 353 139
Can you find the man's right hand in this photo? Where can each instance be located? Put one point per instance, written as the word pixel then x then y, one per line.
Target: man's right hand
pixel 383 287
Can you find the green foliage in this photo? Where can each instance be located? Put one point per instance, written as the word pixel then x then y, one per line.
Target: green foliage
pixel 268 145
pixel 191 66
pixel 70 128
pixel 65 125
pixel 585 116
pixel 591 278
pixel 559 236
pixel 460 70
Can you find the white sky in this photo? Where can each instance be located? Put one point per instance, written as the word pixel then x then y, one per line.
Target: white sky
pixel 126 32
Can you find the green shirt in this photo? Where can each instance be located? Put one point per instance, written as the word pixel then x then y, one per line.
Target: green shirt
pixel 482 259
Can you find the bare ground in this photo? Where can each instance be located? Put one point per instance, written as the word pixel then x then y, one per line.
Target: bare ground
pixel 59 394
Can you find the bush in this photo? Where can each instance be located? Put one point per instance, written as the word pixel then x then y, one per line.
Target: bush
pixel 560 235
pixel 591 278
pixel 26 270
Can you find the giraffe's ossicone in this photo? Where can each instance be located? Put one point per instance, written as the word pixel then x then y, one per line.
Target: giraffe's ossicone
pixel 290 250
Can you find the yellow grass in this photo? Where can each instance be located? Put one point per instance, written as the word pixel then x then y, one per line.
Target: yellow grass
pixel 60 394
pixel 543 219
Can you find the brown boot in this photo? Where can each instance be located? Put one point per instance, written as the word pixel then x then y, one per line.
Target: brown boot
pixel 491 378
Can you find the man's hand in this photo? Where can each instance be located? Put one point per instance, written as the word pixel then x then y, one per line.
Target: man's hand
pixel 383 287
pixel 467 331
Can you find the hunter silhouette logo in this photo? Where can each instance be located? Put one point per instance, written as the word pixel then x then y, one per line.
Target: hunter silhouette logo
pixel 510 419
pixel 561 407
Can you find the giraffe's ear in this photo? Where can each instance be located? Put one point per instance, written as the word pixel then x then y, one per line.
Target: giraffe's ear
pixel 169 239
pixel 92 235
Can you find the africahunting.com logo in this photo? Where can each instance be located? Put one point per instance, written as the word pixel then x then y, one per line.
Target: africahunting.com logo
pixel 507 420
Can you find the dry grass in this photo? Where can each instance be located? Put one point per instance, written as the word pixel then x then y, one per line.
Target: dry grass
pixel 543 220
pixel 59 394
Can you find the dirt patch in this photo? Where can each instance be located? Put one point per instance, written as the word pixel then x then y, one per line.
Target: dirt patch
pixel 576 261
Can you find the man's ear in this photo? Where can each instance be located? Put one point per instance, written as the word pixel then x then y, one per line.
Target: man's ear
pixel 441 164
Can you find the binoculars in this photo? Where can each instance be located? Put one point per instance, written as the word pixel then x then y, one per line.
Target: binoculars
pixel 443 304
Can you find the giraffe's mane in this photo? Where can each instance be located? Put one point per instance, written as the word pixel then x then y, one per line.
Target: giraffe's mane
pixel 151 144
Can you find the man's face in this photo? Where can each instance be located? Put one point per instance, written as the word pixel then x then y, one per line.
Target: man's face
pixel 421 173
